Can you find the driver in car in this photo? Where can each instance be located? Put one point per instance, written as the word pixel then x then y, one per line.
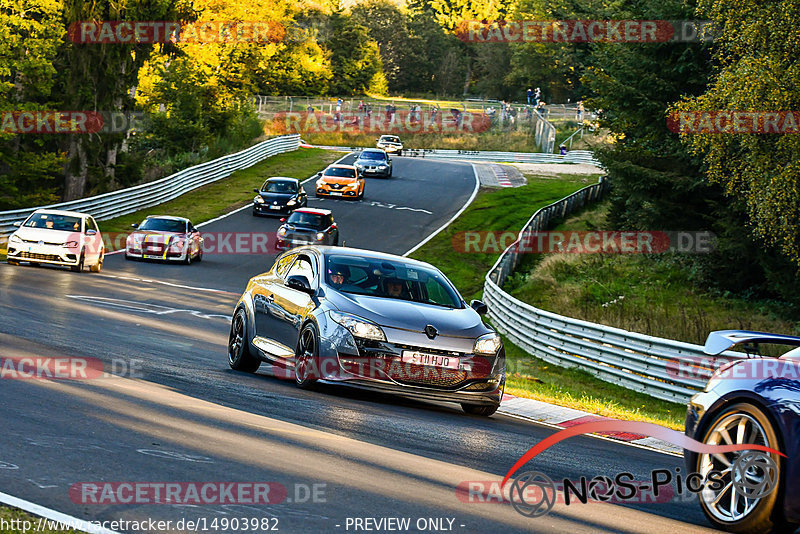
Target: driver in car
pixel 336 278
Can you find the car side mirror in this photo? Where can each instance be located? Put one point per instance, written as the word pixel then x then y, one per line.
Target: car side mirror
pixel 283 219
pixel 91 232
pixel 299 283
pixel 479 307
pixel 18 224
pixel 255 190
pixel 319 174
pixel 134 225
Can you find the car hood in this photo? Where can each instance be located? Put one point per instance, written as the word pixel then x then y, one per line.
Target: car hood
pixel 163 236
pixel 338 180
pixel 48 236
pixel 280 197
pixel 414 316
pixel 371 162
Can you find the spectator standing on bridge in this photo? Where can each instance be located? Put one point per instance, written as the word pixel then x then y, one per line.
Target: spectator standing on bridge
pixel 537 96
pixel 530 96
pixel 579 114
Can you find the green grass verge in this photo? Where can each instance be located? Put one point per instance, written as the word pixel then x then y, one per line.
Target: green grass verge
pixel 20 520
pixel 230 193
pixel 508 210
pixel 653 294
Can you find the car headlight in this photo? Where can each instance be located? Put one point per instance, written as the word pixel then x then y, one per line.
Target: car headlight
pixel 359 327
pixel 320 236
pixel 14 239
pixel 71 244
pixel 258 200
pixel 281 231
pixel 292 202
pixel 320 183
pixel 178 244
pixel 487 344
pixel 359 165
pixel 382 166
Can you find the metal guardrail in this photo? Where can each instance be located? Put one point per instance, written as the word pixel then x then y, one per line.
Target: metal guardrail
pixel 663 368
pixel 574 156
pixel 122 202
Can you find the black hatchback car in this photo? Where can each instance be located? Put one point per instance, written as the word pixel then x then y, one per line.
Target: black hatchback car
pixel 308 226
pixel 278 196
pixel 374 162
pixel 369 320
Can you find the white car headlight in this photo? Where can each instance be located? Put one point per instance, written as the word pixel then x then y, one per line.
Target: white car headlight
pixel 71 244
pixel 292 202
pixel 178 244
pixel 281 231
pixel 382 166
pixel 358 326
pixel 259 199
pixel 14 239
pixel 487 344
pixel 320 236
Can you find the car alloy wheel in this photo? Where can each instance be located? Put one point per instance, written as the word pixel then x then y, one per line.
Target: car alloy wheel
pixel 305 366
pixel 239 356
pixel 727 508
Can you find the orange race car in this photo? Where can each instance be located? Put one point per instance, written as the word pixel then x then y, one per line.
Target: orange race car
pixel 340 181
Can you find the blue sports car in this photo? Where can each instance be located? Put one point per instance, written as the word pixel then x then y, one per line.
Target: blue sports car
pixel 752 399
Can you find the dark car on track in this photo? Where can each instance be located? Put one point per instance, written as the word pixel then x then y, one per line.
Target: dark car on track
pixel 308 226
pixel 371 320
pixel 374 162
pixel 278 196
pixel 750 399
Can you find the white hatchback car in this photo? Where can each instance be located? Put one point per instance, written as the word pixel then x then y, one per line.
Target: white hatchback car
pixel 57 237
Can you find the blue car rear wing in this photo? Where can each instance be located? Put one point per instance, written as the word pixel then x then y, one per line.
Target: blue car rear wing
pixel 722 340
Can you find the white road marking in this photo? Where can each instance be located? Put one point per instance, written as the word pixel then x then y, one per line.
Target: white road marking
pixel 143 307
pixel 35 509
pixel 172 455
pixel 181 286
pixel 6 465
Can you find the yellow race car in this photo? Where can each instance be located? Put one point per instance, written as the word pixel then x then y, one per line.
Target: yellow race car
pixel 340 181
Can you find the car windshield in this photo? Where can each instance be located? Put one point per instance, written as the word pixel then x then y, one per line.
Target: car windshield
pixel 390 139
pixel 340 172
pixel 163 225
pixel 300 218
pixel 49 221
pixel 380 156
pixel 279 187
pixel 390 279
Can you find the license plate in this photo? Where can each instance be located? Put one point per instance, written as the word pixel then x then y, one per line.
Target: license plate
pixel 152 257
pixel 430 360
pixel 336 193
pixel 274 207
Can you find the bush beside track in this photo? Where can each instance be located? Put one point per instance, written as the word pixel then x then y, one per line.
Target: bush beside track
pixel 508 210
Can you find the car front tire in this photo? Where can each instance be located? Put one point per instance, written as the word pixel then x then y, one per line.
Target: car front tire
pixel 726 509
pixel 78 268
pixel 239 356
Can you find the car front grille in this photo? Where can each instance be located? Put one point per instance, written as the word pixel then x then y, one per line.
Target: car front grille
pixel 42 257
